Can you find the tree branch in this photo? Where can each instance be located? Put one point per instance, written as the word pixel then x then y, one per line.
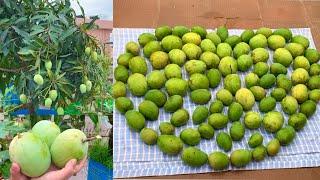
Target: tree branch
pixel 97 137
pixel 13 70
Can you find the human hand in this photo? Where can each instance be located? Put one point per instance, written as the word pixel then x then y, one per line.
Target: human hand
pixel 70 169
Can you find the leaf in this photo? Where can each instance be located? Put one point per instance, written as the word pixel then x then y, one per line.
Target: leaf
pixel 53 37
pixel 20 32
pixel 39 17
pixel 3 134
pixel 39 41
pixel 14 129
pixel 63 19
pixel 4 21
pixel 94 118
pixel 36 30
pixel 7 3
pixel 22 19
pixel 58 67
pixel 26 51
pixel 91 24
pixel 72 109
pixel 67 33
pixel 4 155
pixel 65 90
pixel 38 61
pixel 65 55
pixel 4 35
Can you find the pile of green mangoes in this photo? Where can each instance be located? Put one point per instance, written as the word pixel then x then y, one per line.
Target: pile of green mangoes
pixel 209 58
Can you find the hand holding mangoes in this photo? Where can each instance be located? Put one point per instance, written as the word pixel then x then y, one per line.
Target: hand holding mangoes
pixel 35 150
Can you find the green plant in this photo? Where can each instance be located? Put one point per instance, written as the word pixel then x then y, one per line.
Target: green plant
pixel 8 129
pixel 50 59
pixel 5 169
pixel 102 153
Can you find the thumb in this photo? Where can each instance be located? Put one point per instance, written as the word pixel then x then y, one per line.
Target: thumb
pixel 15 172
pixel 68 170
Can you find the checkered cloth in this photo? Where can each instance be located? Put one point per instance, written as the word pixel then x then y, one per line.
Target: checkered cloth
pixel 133 158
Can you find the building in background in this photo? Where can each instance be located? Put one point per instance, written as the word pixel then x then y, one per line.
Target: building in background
pixel 104 10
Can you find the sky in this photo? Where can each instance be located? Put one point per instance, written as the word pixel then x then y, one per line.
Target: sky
pixel 102 8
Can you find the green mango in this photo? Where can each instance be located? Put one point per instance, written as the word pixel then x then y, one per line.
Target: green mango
pixel 135 120
pixel 273 147
pixel 200 114
pixel 240 157
pixel 156 96
pixel 179 118
pixel 206 131
pixel 166 128
pixel 149 110
pixel 162 32
pixel 218 120
pixel 255 140
pixel 235 111
pixel 194 157
pixel 286 135
pixel 121 73
pixel 259 153
pixel 237 131
pixel 149 136
pixel 173 103
pixel 223 33
pixel 200 96
pixel 123 104
pixel 216 107
pixel 214 77
pixel 267 104
pixel 224 141
pixel 232 83
pixel 170 144
pixel 218 160
pixel 144 38
pixel 190 136
pixel 297 121
pixel 267 81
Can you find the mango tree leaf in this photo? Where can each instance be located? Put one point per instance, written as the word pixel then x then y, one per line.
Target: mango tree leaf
pixel 63 19
pixel 22 19
pixel 4 155
pixel 20 32
pixel 53 37
pixel 26 51
pixel 3 35
pixel 7 3
pixel 4 21
pixel 65 89
pixel 39 17
pixel 94 118
pixel 3 126
pixel 67 33
pixel 37 30
pixel 58 67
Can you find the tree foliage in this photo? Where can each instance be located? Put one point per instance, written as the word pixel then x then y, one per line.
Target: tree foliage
pixel 37 34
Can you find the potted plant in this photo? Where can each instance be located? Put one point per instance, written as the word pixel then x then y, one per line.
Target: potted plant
pixel 100 160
